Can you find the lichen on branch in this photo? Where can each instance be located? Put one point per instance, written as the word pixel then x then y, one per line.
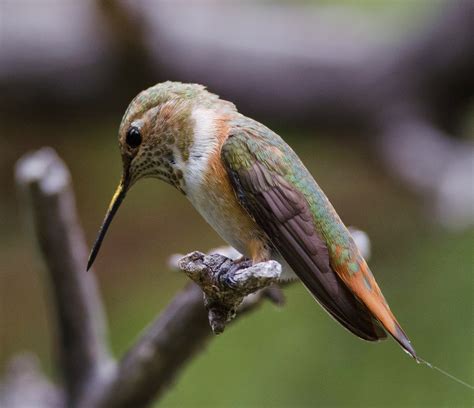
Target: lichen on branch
pixel 225 283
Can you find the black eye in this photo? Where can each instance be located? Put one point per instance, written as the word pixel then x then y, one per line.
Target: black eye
pixel 134 138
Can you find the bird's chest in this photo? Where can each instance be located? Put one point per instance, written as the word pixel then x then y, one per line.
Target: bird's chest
pixel 214 198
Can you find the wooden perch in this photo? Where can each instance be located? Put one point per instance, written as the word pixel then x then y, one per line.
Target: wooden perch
pixel 82 353
pixel 225 283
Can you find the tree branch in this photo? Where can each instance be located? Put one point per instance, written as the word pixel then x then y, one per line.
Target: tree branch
pixel 154 361
pixel 314 67
pixel 428 160
pixel 183 329
pixel 226 283
pixel 82 352
pixel 287 62
pixel 25 386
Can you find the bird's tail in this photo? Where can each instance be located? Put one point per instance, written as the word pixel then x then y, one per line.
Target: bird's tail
pixel 385 316
pixel 366 289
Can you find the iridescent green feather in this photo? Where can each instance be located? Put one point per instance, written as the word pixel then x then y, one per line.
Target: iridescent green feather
pixel 253 141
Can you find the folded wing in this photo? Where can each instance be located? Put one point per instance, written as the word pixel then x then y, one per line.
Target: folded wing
pixel 284 214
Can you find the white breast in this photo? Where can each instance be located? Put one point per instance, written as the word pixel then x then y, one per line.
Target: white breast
pixel 204 145
pixel 213 206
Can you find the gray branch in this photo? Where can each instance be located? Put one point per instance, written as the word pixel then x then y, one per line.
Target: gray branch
pixel 82 354
pixel 25 386
pixel 225 283
pixel 431 161
pixel 154 361
pixel 305 65
pixel 183 329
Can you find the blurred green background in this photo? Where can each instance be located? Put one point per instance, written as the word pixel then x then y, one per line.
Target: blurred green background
pixel 290 357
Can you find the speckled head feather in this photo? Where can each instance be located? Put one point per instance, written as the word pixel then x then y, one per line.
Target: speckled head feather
pixel 163 116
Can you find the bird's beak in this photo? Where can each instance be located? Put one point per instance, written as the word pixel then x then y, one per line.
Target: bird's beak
pixel 113 207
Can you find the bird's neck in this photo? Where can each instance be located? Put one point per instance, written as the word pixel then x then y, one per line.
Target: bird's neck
pixel 210 132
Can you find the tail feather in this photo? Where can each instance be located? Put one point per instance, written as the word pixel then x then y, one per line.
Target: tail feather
pixel 366 289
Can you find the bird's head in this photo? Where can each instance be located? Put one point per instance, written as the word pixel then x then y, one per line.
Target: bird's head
pixel 155 138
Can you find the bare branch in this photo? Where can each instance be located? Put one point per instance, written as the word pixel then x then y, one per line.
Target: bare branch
pixel 25 386
pixel 82 353
pixel 285 67
pixel 320 65
pixel 183 329
pixel 226 283
pixel 154 361
pixel 430 161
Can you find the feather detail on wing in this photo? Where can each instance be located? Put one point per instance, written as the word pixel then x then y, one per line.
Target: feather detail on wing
pixel 283 213
pixel 260 172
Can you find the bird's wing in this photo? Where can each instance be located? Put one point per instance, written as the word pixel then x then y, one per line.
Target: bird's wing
pixel 259 173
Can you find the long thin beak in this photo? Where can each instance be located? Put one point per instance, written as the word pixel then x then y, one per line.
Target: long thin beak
pixel 113 207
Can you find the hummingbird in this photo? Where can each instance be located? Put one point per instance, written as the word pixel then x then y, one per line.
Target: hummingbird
pixel 256 193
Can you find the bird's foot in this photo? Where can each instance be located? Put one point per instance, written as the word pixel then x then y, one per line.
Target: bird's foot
pixel 226 284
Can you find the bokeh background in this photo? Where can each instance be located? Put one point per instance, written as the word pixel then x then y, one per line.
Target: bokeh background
pixel 376 98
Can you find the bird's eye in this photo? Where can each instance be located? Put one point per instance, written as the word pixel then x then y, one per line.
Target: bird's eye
pixel 134 137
